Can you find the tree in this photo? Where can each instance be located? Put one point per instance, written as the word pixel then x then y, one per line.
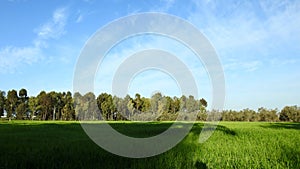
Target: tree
pixel 203 103
pixel 168 104
pixel 290 113
pixel 202 115
pixel 2 102
pixel 176 105
pixel 131 108
pixel 146 104
pixel 162 106
pixel 68 110
pixel 165 109
pixel 183 101
pixel 11 103
pixel 267 115
pixel 230 115
pixel 45 105
pixel 59 100
pixel 23 95
pixel 105 105
pixel 191 104
pixel 124 108
pixel 90 108
pixel 62 106
pixel 138 102
pixel 154 102
pixel 249 115
pixel 33 106
pixel 121 108
pixel 21 110
pixel 78 106
pixel 54 102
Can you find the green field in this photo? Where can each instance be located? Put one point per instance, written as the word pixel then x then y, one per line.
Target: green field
pixel 35 144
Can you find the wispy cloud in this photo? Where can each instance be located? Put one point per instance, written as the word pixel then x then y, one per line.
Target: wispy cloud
pixel 82 14
pixel 167 5
pixel 249 66
pixel 245 30
pixel 55 27
pixel 12 57
pixel 281 62
pixel 79 18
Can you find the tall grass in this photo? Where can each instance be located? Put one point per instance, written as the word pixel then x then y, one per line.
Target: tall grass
pixel 27 144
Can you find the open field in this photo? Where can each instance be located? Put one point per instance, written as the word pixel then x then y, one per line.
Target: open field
pixel 35 144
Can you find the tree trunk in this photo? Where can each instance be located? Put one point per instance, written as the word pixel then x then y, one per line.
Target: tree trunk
pixel 54 111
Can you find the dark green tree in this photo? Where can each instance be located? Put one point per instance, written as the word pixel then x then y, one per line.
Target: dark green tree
pixel 78 106
pixel 202 115
pixel 203 102
pixel 138 102
pixel 23 95
pixel 68 111
pixel 105 105
pixel 2 102
pixel 33 106
pixel 54 103
pixel 45 105
pixel 11 103
pixel 22 110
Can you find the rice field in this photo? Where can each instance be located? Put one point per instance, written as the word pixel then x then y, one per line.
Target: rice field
pixel 40 144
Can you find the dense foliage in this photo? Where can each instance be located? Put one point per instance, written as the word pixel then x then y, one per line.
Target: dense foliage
pixel 65 106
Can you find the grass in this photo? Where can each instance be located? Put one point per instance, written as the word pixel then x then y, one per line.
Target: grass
pixel 35 144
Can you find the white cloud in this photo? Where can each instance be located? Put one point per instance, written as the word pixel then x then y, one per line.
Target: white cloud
pixel 54 28
pixel 249 37
pixel 253 28
pixel 11 57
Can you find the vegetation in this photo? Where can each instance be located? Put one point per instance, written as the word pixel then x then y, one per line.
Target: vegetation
pixel 61 144
pixel 63 106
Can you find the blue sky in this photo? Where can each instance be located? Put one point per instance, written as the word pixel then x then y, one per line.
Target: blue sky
pixel 257 43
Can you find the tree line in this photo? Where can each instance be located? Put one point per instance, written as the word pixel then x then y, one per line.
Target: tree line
pixel 65 106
